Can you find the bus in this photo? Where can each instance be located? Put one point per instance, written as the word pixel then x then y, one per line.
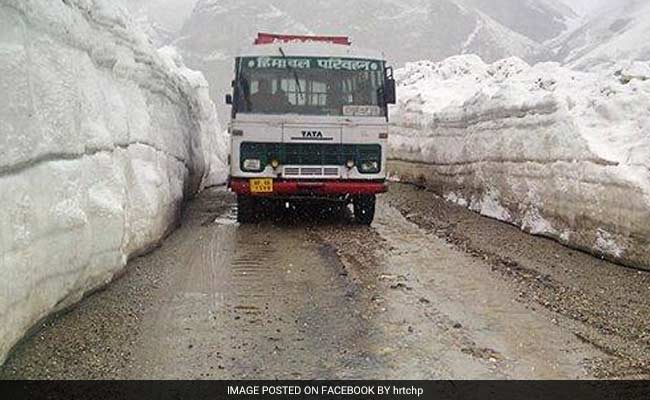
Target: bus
pixel 309 121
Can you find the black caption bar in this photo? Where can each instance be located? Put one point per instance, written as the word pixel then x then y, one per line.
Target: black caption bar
pixel 218 390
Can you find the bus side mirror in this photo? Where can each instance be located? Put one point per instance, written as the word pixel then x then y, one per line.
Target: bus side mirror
pixel 229 99
pixel 390 91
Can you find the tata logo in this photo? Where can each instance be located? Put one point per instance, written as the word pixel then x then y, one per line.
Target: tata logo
pixel 313 135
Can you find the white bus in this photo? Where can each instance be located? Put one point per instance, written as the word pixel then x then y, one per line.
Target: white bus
pixel 309 120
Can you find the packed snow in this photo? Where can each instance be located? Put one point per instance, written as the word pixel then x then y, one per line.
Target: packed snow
pixel 558 152
pixel 101 139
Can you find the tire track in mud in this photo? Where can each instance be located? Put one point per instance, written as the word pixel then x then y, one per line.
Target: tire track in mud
pixel 260 301
pixel 440 313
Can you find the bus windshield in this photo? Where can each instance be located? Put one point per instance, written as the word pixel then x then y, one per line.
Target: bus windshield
pixel 310 86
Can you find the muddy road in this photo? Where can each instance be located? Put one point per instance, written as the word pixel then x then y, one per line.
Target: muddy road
pixel 430 291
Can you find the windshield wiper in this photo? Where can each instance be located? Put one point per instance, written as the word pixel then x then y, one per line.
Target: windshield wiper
pixel 295 73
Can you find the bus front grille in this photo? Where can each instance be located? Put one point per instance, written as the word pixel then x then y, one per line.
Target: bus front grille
pixel 311 154
pixel 311 172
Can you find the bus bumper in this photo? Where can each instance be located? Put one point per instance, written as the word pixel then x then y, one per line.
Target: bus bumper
pixel 292 188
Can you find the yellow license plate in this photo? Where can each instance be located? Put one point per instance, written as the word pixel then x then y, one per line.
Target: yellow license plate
pixel 261 185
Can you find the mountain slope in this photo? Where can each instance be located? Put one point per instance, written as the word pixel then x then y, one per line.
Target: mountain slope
pixel 538 20
pixel 617 31
pixel 586 7
pixel 405 30
pixel 169 15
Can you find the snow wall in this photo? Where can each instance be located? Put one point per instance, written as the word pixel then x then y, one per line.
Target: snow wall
pixel 559 153
pixel 101 139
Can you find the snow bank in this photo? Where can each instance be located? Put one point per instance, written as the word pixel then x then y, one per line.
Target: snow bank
pixel 101 138
pixel 215 142
pixel 559 153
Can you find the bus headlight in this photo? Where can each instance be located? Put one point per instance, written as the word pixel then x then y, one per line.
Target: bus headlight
pixel 369 167
pixel 252 165
pixel 275 163
pixel 350 164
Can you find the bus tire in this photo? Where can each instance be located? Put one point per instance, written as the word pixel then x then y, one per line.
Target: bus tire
pixel 246 209
pixel 364 209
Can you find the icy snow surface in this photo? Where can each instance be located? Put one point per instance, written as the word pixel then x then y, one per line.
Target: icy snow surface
pixel 101 138
pixel 557 152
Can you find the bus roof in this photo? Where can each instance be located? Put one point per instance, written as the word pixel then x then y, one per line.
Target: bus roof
pixel 268 38
pixel 310 49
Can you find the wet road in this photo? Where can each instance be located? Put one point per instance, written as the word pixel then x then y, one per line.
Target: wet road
pixel 310 295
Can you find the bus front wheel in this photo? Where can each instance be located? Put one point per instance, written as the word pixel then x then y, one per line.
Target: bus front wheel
pixel 364 209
